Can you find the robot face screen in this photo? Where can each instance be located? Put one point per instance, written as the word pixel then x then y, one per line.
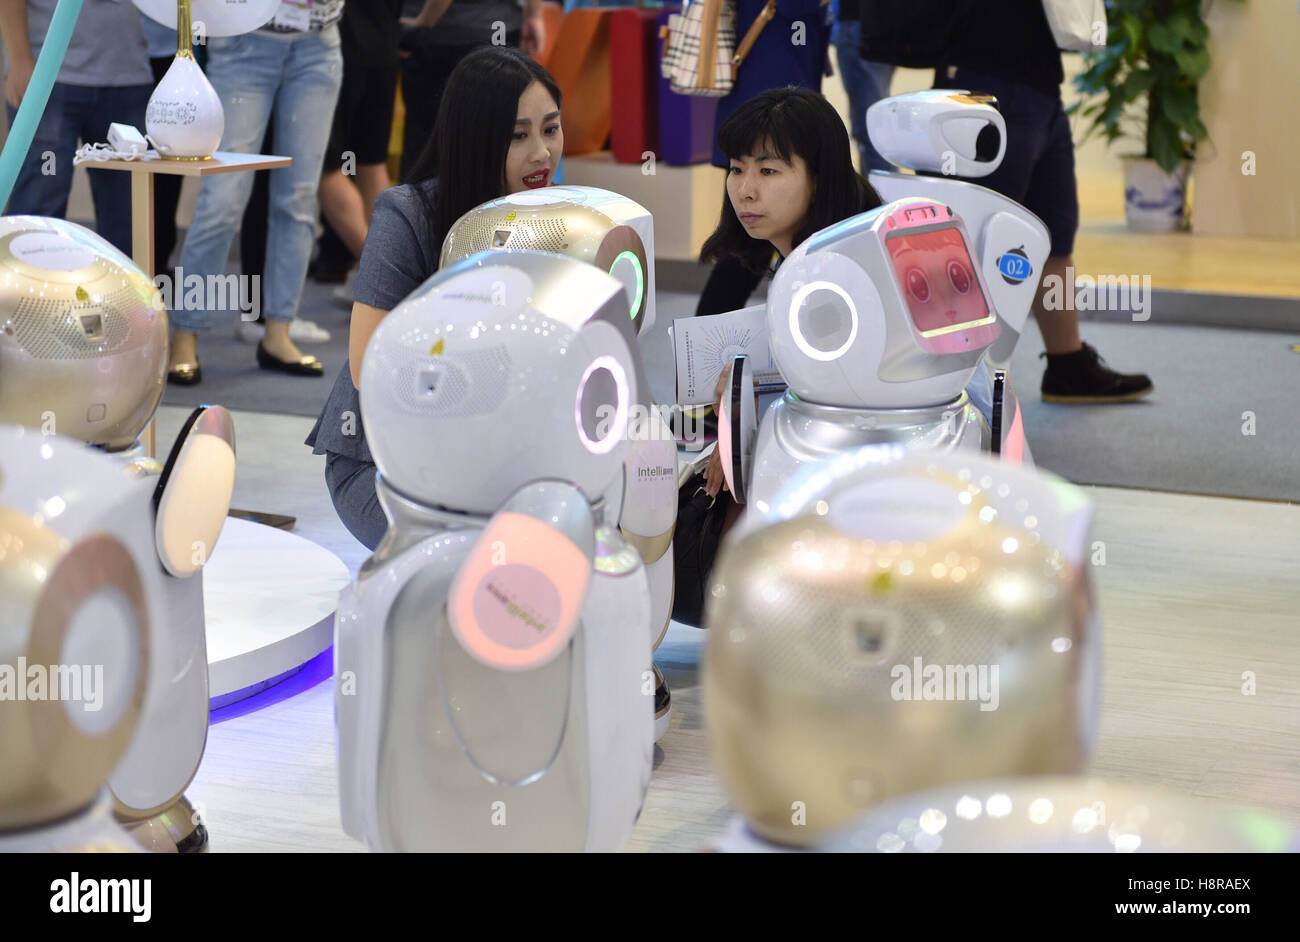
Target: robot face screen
pixel 937 278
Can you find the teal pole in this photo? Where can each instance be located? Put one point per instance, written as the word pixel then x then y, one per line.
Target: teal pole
pixel 37 95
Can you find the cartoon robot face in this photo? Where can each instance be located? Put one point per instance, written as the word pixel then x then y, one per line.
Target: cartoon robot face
pixel 938 280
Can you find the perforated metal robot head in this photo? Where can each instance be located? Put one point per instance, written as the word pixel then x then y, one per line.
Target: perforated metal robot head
pixel 895 625
pixel 493 375
pixel 75 616
pixel 1063 814
pixel 597 226
pixel 83 334
pixel 955 133
pixel 883 310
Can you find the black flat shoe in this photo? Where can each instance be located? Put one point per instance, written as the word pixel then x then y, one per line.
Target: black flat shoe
pixel 303 366
pixel 185 374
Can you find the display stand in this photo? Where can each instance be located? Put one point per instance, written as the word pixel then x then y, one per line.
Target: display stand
pixel 142 173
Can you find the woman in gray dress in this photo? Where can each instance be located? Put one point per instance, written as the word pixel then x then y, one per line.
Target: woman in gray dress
pixel 498 132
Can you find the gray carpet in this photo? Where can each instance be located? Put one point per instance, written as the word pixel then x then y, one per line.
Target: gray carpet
pixel 1188 436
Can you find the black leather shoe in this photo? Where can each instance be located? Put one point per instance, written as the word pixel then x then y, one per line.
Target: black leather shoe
pixel 1082 377
pixel 185 374
pixel 303 366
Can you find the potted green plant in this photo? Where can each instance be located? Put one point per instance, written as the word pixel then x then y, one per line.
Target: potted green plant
pixel 1142 84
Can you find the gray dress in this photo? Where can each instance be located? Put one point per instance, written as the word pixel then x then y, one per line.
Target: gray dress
pixel 398 257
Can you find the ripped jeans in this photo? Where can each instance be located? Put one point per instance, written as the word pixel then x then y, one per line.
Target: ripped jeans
pixel 299 76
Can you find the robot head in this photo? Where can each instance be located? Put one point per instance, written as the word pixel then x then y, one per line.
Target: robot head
pixel 884 310
pixel 939 131
pixel 1063 814
pixel 596 226
pixel 83 338
pixel 76 609
pixel 894 625
pixel 494 375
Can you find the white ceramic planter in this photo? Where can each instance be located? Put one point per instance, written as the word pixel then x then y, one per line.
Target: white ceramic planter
pixel 1155 201
pixel 184 119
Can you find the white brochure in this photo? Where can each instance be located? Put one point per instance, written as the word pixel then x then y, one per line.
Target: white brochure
pixel 703 346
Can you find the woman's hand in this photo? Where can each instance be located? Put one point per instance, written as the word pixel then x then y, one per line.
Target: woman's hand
pixel 20 76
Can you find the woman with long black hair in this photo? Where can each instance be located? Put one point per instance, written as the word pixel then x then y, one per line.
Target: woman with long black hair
pixel 498 132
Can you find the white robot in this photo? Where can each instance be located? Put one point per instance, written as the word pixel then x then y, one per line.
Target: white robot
pixel 82 639
pixel 83 353
pixel 1062 814
pixel 894 325
pixel 492 659
pixel 616 235
pixel 958 133
pixel 894 622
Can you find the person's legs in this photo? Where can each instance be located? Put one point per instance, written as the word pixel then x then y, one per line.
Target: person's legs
pixel 313 74
pixel 865 83
pixel 351 485
pixel 166 194
pixel 1075 373
pixel 424 76
pixel 245 71
pixel 343 216
pixel 1060 324
pixel 45 178
pixel 372 179
pixel 111 189
pixel 343 207
pixel 252 224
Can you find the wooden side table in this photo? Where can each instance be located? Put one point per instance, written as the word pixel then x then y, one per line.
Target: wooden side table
pixel 142 173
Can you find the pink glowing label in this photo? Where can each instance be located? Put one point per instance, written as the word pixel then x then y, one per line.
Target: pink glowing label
pixel 517 606
pixel 938 280
pixel 518 597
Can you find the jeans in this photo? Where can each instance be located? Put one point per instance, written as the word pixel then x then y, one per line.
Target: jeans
pixel 300 78
pixel 79 112
pixel 865 83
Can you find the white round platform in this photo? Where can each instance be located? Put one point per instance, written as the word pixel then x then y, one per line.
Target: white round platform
pixel 269 599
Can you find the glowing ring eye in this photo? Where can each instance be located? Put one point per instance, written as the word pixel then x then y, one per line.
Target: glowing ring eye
pixel 959 276
pixel 918 285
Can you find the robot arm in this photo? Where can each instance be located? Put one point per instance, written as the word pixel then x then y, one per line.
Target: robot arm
pixel 518 597
pixel 954 133
pixel 737 427
pixel 193 494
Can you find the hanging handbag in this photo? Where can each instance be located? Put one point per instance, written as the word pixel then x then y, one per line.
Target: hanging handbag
pixel 1075 22
pixel 700 55
pixel 700 519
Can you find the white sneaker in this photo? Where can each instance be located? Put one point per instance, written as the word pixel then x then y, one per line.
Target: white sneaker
pixel 300 331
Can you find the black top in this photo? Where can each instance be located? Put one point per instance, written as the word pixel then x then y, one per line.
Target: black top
pixel 1010 39
pixel 371 32
pixel 467 23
